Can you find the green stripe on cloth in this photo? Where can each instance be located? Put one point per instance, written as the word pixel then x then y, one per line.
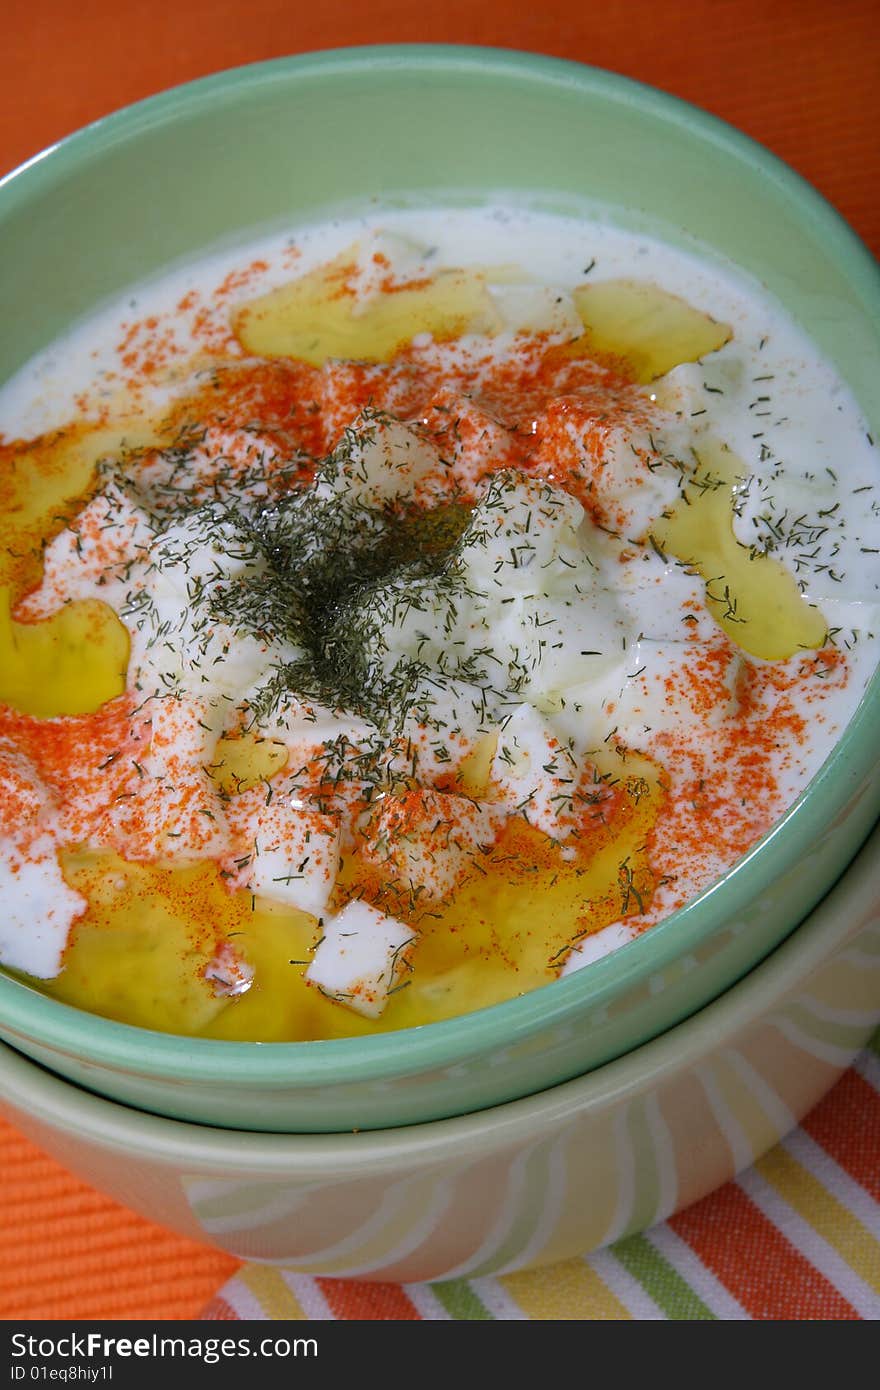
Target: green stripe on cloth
pixel 665 1285
pixel 874 1043
pixel 460 1301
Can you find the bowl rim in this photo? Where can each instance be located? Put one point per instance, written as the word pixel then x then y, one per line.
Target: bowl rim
pixel 326 1061
pixel 62 1103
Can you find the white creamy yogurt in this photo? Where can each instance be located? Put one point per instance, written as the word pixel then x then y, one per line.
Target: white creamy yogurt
pixel 539 636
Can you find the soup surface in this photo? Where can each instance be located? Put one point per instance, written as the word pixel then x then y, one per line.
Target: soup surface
pixel 396 614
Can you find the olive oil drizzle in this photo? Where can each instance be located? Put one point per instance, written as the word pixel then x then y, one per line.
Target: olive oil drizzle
pixel 752 596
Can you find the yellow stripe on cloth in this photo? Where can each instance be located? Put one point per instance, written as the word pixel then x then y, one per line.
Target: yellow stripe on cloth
pixel 270 1289
pixel 824 1212
pixel 574 1292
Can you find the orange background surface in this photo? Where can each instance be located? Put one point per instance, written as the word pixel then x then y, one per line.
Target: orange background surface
pixel 799 75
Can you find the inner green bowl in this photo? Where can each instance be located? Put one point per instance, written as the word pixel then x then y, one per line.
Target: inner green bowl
pixel 285 142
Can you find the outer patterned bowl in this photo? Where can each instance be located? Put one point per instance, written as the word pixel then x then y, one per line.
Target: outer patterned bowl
pixel 284 141
pixel 527 1183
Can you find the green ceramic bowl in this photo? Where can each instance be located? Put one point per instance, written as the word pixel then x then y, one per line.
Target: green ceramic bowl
pixel 219 159
pixel 537 1180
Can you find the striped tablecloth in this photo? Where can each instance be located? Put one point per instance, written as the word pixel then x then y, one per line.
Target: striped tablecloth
pixel 796 1237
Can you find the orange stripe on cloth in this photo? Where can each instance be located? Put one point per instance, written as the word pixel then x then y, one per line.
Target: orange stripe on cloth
pixel 68 1252
pixel 847 1125
pixel 218 1310
pixel 755 1261
pixel 351 1301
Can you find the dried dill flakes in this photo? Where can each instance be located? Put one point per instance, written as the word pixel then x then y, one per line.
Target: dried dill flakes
pixel 312 573
pixel 367 602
